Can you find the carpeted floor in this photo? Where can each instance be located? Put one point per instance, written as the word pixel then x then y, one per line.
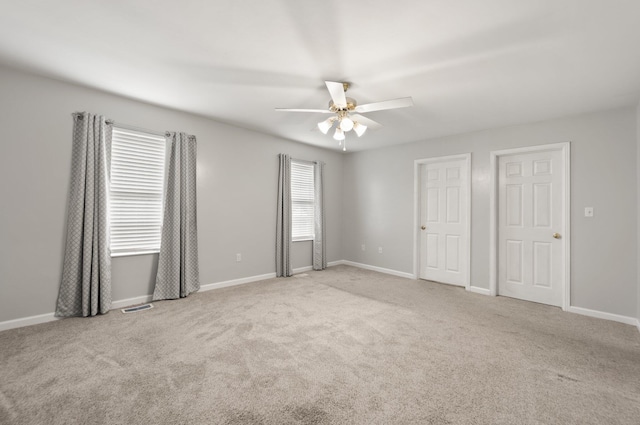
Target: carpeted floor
pixel 343 346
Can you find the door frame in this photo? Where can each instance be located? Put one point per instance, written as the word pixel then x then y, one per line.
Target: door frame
pixel 417 190
pixel 565 149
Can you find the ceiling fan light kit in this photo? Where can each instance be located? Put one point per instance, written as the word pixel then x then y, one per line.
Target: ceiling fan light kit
pixel 344 110
pixel 346 124
pixel 325 125
pixel 359 128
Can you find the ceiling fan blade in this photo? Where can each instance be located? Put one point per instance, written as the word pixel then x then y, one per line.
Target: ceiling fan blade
pixel 403 102
pixel 336 90
pixel 319 111
pixel 365 121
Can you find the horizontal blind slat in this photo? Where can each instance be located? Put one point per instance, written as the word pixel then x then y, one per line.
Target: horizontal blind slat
pixel 302 200
pixel 137 185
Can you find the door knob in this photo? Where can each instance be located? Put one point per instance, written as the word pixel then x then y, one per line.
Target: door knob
pixel 556 235
pixel 424 227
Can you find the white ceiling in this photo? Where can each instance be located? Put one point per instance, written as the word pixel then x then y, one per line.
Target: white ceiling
pixel 468 64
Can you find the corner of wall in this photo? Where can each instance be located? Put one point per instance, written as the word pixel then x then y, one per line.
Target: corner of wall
pixel 638 211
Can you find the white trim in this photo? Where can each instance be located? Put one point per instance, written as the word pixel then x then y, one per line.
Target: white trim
pixel 602 315
pixel 379 269
pixel 116 305
pixel 416 211
pixel 302 269
pixel 565 149
pixel 28 321
pixel 493 225
pixel 50 317
pixel 235 282
pixel 477 290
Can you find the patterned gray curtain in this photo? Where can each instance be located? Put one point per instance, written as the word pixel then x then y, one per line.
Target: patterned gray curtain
pixel 85 289
pixel 283 223
pixel 178 272
pixel 319 245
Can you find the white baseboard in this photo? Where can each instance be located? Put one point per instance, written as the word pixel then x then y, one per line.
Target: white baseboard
pixel 379 269
pixel 116 305
pixel 602 315
pixel 28 321
pixel 235 282
pixel 302 269
pixel 50 317
pixel 309 268
pixel 475 289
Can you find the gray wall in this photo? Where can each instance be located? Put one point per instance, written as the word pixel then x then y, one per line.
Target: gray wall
pixel 237 171
pixel 378 202
pixel 638 202
pixel 237 184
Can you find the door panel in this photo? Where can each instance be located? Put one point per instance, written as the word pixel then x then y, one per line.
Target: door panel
pixel 514 261
pixel 443 213
pixel 542 252
pixel 453 253
pixel 433 205
pixel 432 248
pixel 453 205
pixel 542 205
pixel 514 204
pixel 530 259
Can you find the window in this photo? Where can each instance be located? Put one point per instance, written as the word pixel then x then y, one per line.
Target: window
pixel 137 185
pixel 302 201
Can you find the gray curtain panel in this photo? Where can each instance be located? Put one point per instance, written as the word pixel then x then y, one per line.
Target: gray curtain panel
pixel 178 271
pixel 283 223
pixel 85 289
pixel 319 245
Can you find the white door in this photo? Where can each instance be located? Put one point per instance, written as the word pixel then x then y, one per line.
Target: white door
pixel 531 226
pixel 444 240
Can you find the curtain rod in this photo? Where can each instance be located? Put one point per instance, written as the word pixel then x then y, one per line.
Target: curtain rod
pixel 133 127
pixel 126 126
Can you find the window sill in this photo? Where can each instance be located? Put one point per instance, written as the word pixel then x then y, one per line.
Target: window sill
pixel 128 254
pixel 302 240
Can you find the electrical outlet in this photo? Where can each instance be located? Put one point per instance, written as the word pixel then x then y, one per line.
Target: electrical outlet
pixel 588 211
pixel 379 250
pixel 238 257
pixel 364 247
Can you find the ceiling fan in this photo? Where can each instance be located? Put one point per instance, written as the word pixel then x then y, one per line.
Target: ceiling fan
pixel 346 112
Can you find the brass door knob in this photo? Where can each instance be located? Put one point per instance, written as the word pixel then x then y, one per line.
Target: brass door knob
pixel 424 227
pixel 556 235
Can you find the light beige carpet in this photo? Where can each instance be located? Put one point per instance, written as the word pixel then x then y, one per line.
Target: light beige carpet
pixel 343 346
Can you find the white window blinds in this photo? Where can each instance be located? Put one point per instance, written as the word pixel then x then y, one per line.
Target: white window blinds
pixel 137 184
pixel 302 201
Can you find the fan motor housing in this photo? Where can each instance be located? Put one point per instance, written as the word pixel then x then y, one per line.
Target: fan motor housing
pixel 351 105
